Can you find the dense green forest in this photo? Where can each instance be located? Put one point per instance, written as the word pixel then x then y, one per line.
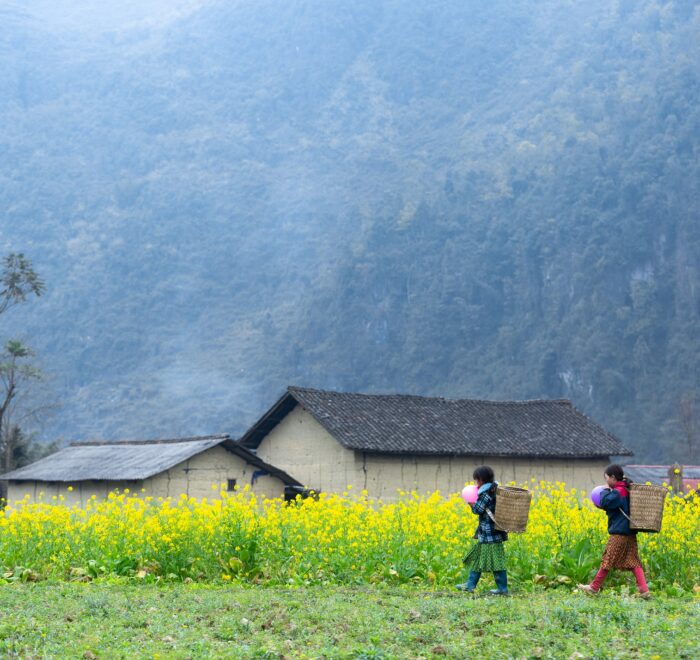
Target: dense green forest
pixel 465 199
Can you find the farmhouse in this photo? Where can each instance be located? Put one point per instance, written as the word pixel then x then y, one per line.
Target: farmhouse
pixel 381 443
pixel 159 467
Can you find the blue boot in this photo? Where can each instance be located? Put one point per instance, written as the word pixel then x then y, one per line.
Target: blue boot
pixel 471 582
pixel 501 578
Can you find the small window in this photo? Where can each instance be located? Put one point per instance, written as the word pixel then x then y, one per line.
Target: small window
pixel 231 486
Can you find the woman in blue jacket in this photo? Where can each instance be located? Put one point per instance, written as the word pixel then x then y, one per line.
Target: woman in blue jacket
pixel 621 550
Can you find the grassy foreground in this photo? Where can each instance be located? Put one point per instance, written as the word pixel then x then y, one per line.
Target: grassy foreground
pixel 103 620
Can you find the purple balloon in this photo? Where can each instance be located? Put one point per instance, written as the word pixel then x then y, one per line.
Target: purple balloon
pixel 596 494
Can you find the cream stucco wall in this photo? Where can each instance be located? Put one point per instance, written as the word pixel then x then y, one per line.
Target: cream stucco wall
pixel 196 476
pixel 193 477
pixel 300 446
pixel 82 491
pixel 386 474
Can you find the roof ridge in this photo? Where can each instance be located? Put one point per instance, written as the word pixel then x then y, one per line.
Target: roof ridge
pixel 560 401
pixel 154 441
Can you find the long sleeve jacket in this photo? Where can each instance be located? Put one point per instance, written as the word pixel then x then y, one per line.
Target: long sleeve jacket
pixel 615 501
pixel 486 532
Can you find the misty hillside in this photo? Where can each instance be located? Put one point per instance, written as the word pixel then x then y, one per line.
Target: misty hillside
pixel 494 200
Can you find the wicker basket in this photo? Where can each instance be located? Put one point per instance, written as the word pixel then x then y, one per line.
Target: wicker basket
pixel 646 507
pixel 512 508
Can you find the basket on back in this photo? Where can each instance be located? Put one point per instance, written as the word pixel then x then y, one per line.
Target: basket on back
pixel 646 507
pixel 512 508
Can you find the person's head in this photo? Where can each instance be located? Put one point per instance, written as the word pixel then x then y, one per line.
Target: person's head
pixel 483 475
pixel 614 473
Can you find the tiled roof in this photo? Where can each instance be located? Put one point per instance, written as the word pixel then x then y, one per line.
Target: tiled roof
pixel 405 424
pixel 129 460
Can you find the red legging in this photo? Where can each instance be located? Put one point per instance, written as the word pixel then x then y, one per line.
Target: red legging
pixel 638 575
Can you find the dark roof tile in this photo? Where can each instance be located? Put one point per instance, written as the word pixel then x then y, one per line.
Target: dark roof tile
pixel 407 424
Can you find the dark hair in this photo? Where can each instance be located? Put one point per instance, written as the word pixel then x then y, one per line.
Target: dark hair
pixel 484 474
pixel 618 472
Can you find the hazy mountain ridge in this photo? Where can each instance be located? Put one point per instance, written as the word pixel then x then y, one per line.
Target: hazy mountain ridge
pixel 456 200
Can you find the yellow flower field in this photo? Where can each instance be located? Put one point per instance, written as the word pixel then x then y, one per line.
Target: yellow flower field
pixel 332 539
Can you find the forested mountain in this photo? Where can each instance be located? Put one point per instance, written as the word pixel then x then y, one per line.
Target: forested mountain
pixel 456 198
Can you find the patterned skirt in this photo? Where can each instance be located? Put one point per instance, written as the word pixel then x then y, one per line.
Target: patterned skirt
pixel 621 552
pixel 486 557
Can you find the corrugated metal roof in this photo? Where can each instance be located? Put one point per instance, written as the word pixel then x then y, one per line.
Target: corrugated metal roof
pixel 404 424
pixel 658 474
pixel 114 461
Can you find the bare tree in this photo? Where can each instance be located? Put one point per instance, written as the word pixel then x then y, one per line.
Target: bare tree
pixel 17 281
pixel 15 374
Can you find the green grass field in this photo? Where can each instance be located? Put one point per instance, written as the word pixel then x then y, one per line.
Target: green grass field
pixel 108 620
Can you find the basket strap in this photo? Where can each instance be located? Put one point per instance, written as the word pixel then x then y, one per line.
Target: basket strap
pixel 490 515
pixel 625 515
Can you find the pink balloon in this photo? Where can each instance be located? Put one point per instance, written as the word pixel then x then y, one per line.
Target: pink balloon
pixel 596 494
pixel 470 494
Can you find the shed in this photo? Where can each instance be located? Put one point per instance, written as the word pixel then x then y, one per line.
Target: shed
pixel 689 475
pixel 159 467
pixel 383 443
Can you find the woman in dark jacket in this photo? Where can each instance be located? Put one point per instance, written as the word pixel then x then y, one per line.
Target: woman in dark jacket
pixel 488 553
pixel 621 550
